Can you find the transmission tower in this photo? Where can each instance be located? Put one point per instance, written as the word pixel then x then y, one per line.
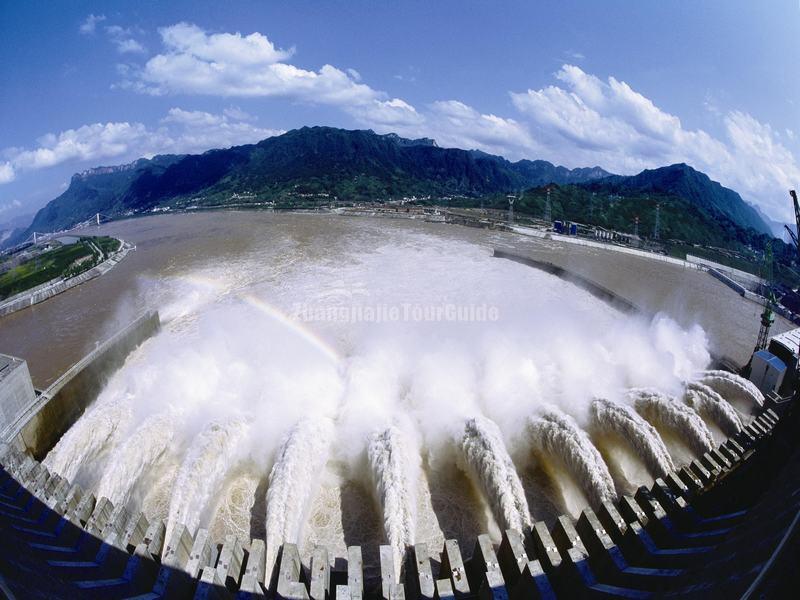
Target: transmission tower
pixel 548 209
pixel 511 199
pixel 657 226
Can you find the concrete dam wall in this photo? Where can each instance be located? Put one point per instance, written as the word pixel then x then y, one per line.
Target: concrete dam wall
pixel 720 510
pixel 593 288
pixel 37 424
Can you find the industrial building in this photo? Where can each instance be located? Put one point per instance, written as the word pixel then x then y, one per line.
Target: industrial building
pixel 774 369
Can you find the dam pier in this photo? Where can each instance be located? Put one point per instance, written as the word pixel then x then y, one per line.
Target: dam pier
pixel 693 533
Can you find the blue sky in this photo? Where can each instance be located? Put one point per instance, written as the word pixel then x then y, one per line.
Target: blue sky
pixel 623 85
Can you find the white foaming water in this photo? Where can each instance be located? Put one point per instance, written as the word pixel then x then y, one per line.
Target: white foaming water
pixel 99 429
pixel 740 392
pixel 230 352
pixel 395 472
pixel 199 479
pixel 610 417
pixel 294 479
pixel 714 407
pixel 490 465
pixel 138 453
pixel 662 410
pixel 233 512
pixel 558 435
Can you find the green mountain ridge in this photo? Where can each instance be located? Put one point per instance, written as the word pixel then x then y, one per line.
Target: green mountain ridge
pixel 685 182
pixel 359 165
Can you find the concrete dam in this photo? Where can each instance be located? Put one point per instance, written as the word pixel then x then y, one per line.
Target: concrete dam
pixel 235 448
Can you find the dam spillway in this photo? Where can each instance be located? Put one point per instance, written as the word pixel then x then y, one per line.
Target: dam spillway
pixel 254 432
pixel 417 415
pixel 659 539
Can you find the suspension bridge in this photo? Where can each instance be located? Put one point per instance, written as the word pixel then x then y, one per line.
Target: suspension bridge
pixel 38 237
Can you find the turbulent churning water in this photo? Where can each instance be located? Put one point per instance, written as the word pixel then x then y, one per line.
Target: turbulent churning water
pixel 389 386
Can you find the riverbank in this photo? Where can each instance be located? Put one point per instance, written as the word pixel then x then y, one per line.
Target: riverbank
pixel 59 285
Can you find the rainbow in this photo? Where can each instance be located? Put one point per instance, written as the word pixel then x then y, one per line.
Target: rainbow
pixel 273 312
pixel 306 333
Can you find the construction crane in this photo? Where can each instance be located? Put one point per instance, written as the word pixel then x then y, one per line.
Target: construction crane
pixel 793 235
pixel 768 316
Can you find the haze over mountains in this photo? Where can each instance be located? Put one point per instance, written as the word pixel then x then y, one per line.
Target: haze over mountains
pixel 358 165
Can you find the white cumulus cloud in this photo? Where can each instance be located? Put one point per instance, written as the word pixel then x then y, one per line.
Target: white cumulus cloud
pixel 195 131
pixel 122 38
pixel 89 142
pixel 586 121
pixel 457 124
pixel 90 24
pixel 180 131
pixel 6 172
pixel 235 65
pixel 381 114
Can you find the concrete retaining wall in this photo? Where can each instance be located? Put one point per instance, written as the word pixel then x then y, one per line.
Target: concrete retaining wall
pixel 577 241
pixel 590 286
pixel 736 287
pixel 41 425
pixel 719 272
pixel 737 274
pixel 56 286
pixel 752 296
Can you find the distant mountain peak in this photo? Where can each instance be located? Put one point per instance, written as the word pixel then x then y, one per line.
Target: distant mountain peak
pixel 105 170
pixel 401 141
pixel 164 159
pixel 685 181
